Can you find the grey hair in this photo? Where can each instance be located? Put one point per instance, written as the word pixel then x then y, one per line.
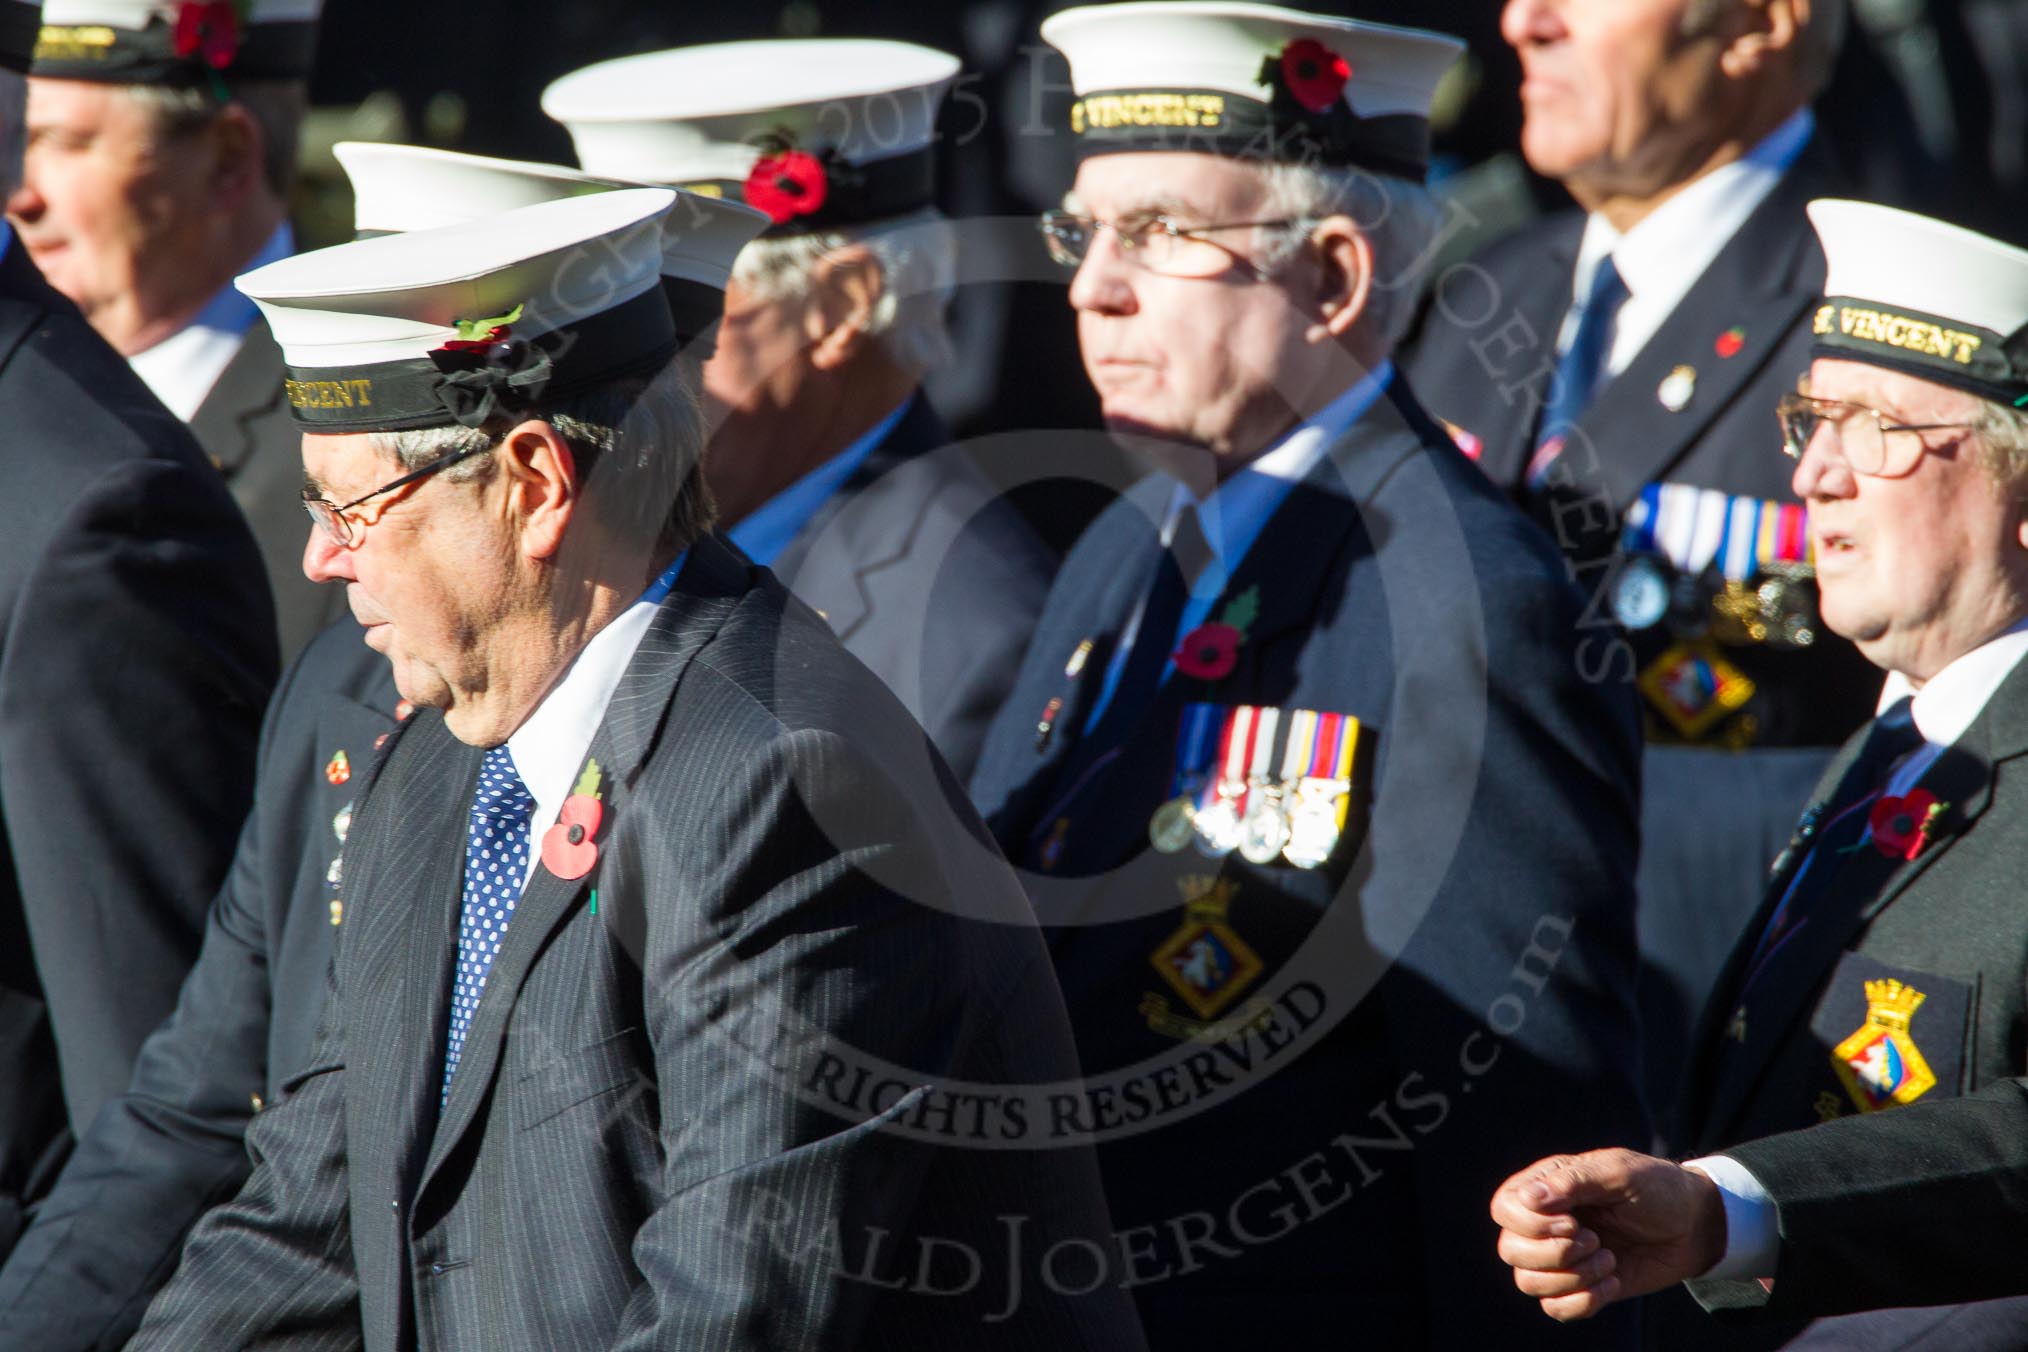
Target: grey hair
pixel 1398 218
pixel 277 107
pixel 2002 445
pixel 638 444
pixel 917 256
pixel 13 128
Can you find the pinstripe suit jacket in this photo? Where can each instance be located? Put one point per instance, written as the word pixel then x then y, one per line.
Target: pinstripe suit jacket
pixel 641 1148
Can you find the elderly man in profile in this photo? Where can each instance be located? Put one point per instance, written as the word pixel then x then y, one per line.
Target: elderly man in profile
pixel 647 871
pixel 162 142
pixel 1335 845
pixel 1883 972
pixel 828 462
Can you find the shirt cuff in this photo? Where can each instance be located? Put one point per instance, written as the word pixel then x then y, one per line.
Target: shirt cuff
pixel 1752 1235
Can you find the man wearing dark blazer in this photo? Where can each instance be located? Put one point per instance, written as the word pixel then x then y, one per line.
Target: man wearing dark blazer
pixel 1306 782
pixel 670 990
pixel 1887 963
pixel 155 174
pixel 173 1144
pixel 828 463
pixel 139 648
pixel 107 1235
pixel 1635 427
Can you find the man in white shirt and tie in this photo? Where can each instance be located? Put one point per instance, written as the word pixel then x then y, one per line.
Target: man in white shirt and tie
pixel 1885 967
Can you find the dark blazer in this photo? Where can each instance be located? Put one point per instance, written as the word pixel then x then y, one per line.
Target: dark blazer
pixel 1394 585
pixel 1921 1206
pixel 639 1148
pixel 1948 924
pixel 1711 818
pixel 1491 378
pixel 928 577
pixel 244 425
pixel 108 1234
pixel 136 651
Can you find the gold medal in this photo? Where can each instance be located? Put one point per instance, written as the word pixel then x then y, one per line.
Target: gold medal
pixel 1173 827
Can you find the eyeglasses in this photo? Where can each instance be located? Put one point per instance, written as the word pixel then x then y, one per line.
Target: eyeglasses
pixel 1862 434
pixel 332 520
pixel 1156 243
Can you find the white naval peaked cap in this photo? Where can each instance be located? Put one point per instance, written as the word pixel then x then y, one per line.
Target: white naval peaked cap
pixel 398 188
pixel 1923 297
pixel 449 326
pixel 705 118
pixel 176 41
pixel 1255 81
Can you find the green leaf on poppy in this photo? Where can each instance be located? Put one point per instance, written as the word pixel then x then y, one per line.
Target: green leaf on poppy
pixel 1242 610
pixel 588 782
pixel 478 330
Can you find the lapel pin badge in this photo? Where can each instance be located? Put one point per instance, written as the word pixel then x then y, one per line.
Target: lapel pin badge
pixel 1729 343
pixel 339 768
pixel 1676 388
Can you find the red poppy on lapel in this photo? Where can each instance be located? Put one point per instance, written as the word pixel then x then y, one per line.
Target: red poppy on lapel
pixel 1902 826
pixel 1209 652
pixel 568 849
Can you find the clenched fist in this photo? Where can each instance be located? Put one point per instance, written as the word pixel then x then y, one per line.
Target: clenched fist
pixel 1582 1231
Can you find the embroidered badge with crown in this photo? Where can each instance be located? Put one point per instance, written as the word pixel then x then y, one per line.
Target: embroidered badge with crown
pixel 1880 1065
pixel 1206 962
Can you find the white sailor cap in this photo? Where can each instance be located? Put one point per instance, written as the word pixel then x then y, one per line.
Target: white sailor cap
pixel 397 188
pixel 1254 81
pixel 1922 297
pixel 851 144
pixel 177 42
pixel 450 326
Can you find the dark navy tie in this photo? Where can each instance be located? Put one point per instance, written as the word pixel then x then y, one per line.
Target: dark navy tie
pixel 496 865
pixel 1582 369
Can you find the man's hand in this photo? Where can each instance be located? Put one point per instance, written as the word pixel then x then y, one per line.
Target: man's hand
pixel 1582 1231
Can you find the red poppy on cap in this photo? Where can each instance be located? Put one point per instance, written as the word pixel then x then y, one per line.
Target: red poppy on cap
pixel 787 185
pixel 1315 75
pixel 207 28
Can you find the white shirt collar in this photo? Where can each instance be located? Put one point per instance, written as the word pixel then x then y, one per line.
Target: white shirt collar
pixel 1661 258
pixel 550 747
pixel 182 368
pixel 1951 699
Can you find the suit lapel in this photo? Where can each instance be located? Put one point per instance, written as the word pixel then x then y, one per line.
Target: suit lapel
pixel 1763 278
pixel 707 589
pixel 1540 296
pixel 842 594
pixel 1867 882
pixel 228 421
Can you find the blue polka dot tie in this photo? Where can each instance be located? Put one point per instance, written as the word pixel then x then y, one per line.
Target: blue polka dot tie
pixel 496 863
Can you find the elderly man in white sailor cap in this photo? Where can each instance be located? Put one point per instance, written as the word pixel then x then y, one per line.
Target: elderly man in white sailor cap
pixel 161 148
pixel 625 897
pixel 1884 972
pixel 827 461
pixel 1300 764
pixel 105 1236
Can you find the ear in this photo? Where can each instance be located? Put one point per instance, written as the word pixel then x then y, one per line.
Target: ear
pixel 237 153
pixel 1767 29
pixel 542 489
pixel 1344 280
pixel 845 288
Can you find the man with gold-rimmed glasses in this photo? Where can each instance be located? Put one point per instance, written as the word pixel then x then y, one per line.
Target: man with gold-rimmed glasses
pixel 1885 966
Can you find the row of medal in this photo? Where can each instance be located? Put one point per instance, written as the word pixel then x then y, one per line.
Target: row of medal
pixel 1268 783
pixel 1695 528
